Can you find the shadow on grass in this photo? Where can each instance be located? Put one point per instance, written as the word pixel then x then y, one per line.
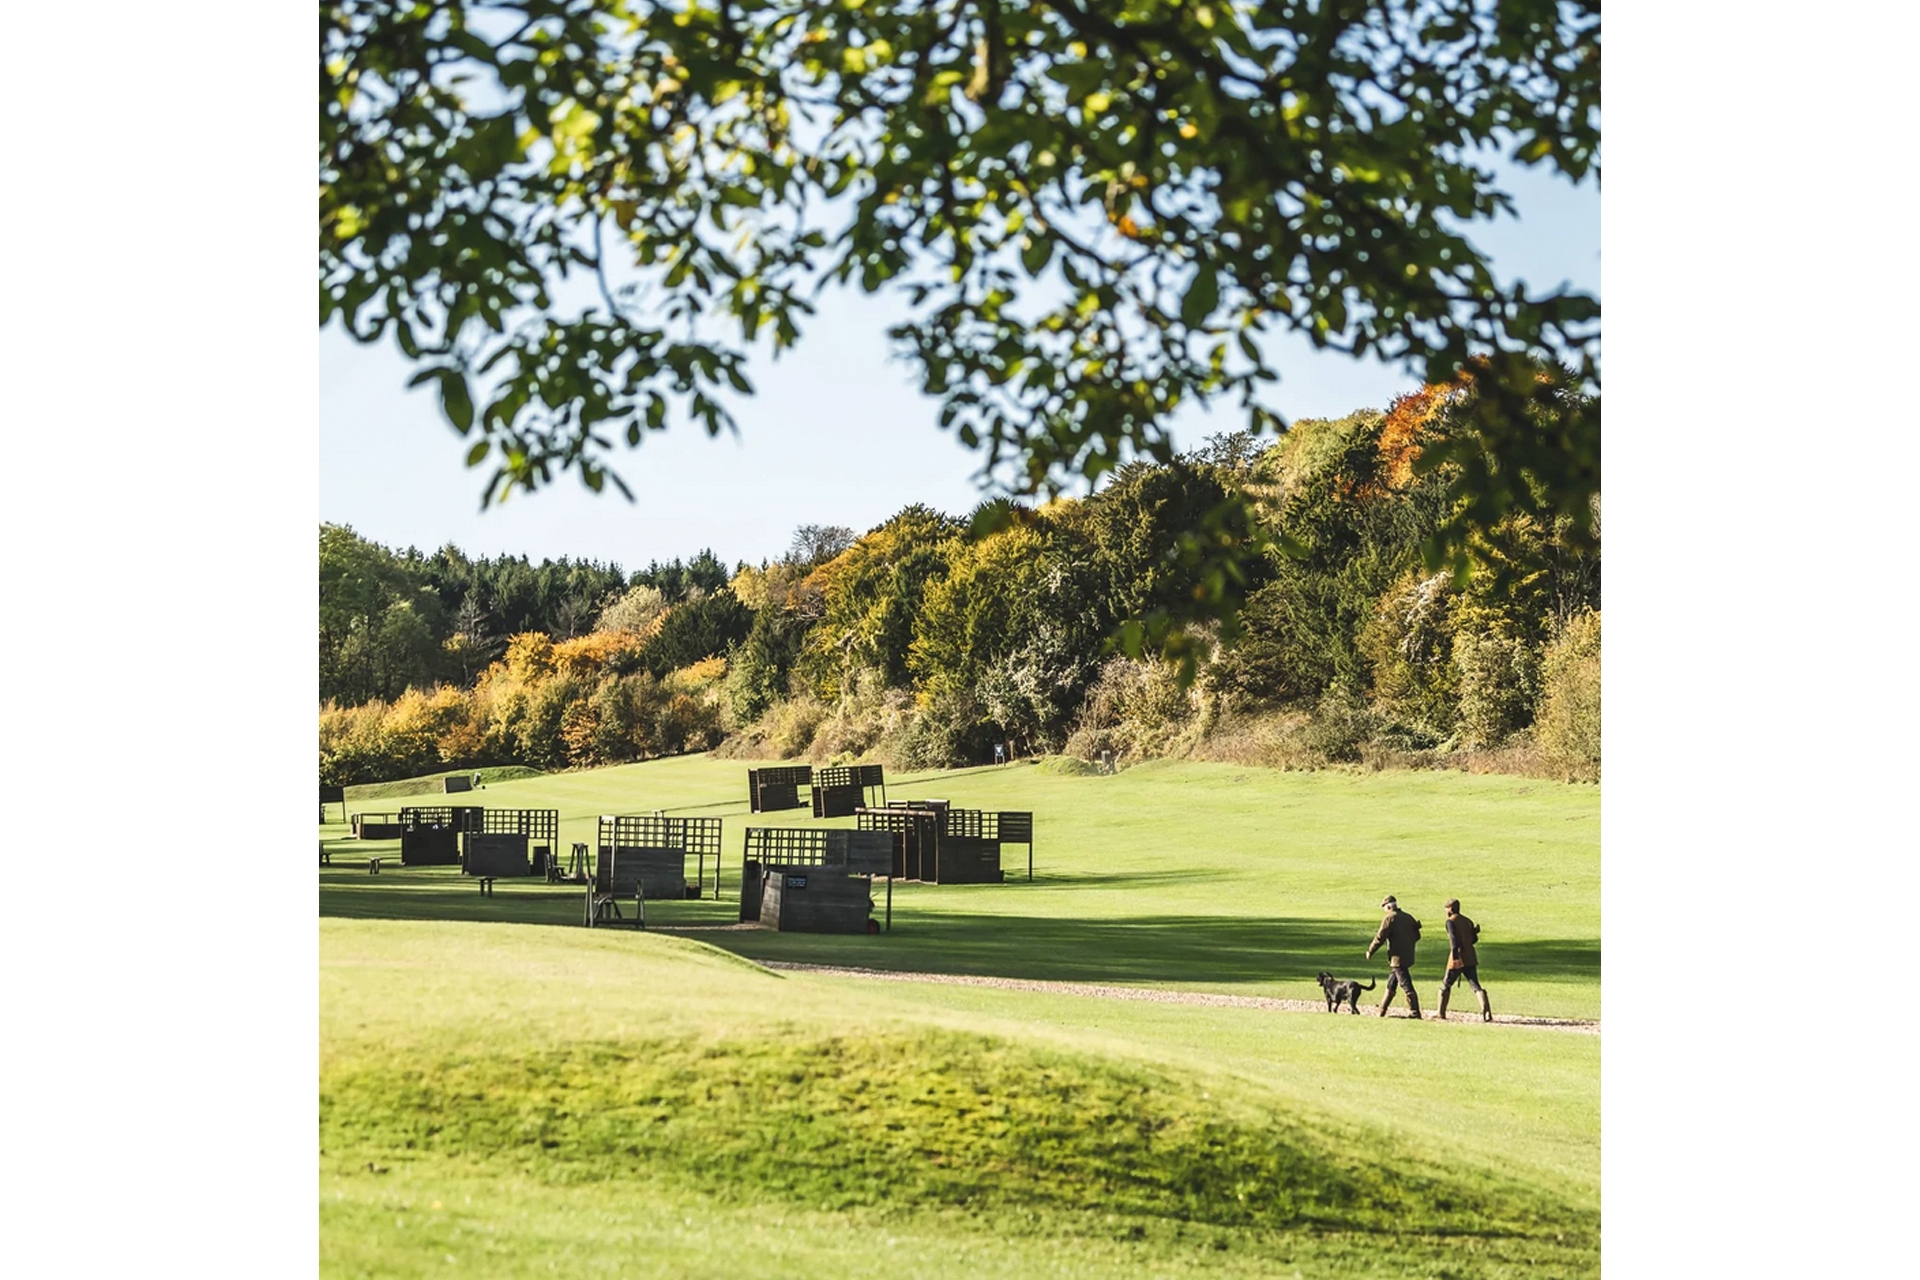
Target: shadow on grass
pixel 1189 949
pixel 1119 880
pixel 1143 949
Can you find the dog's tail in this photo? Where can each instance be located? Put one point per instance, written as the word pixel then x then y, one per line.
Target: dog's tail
pixel 1368 987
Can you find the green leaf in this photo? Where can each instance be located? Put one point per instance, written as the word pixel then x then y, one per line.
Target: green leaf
pixel 1534 151
pixel 454 401
pixel 479 451
pixel 1203 295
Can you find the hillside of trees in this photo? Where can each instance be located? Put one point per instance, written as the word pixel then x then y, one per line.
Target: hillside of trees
pixel 926 640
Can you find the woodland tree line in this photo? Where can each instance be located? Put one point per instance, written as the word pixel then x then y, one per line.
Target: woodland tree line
pixel 928 639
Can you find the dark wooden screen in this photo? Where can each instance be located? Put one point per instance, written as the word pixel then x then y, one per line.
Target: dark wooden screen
pixel 777 787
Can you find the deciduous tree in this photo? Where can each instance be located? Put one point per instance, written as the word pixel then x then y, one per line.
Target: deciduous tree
pixel 1095 214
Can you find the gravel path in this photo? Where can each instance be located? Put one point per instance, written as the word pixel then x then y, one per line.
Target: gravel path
pixel 1157 995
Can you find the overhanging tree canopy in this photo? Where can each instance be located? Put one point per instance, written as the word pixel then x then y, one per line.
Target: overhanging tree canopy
pixel 1094 212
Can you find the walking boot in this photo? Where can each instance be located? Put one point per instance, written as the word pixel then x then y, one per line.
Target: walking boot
pixel 1486 1008
pixel 1413 1005
pixel 1384 1004
pixel 1444 993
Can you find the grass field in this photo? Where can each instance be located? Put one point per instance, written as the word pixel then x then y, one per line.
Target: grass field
pixel 553 1100
pixel 1206 877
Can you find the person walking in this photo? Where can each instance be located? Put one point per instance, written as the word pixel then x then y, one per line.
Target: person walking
pixel 1398 932
pixel 1462 962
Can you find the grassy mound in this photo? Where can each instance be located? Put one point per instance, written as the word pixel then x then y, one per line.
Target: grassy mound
pixel 922 1120
pixel 434 783
pixel 531 1100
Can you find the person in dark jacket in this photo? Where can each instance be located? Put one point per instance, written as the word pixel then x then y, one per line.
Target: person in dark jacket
pixel 1398 932
pixel 1462 961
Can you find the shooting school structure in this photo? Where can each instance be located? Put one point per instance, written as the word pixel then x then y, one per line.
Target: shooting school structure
pixel 510 843
pixel 813 881
pixel 838 792
pixel 643 857
pixel 430 834
pixel 487 843
pixel 831 792
pixel 937 844
pixel 770 790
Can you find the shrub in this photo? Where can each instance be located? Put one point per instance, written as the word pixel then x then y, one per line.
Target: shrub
pixel 580 733
pixel 1408 646
pixel 537 739
pixel 1275 739
pixel 529 657
pixel 1567 727
pixel 1137 710
pixel 353 744
pixel 1499 679
pixel 597 652
pixel 869 720
pixel 788 727
pixel 949 730
pixel 1340 726
pixel 638 611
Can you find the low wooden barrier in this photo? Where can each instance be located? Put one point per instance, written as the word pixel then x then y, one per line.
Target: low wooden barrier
pixel 815 899
pixel 376 826
pixel 798 878
pixel 494 855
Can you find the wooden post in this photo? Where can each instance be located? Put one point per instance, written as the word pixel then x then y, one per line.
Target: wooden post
pixel 889 904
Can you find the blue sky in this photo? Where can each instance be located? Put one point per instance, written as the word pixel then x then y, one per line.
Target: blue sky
pixel 835 434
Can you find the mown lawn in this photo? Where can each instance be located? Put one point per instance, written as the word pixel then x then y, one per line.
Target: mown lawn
pixel 515 1100
pixel 1207 877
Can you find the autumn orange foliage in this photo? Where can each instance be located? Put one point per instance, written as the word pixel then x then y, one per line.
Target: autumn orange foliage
pixel 1411 420
pixel 592 654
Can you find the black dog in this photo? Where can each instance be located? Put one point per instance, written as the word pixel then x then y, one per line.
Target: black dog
pixel 1339 993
